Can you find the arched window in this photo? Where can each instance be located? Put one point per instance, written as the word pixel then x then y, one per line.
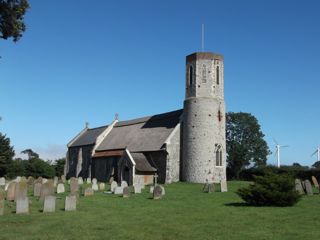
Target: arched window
pixel 190 75
pixel 204 73
pixel 218 156
pixel 218 75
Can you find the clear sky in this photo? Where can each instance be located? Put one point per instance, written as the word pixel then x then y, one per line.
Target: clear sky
pixel 84 61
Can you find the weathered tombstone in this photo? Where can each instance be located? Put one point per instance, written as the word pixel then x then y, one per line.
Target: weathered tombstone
pixel 118 190
pixel 70 203
pixel 157 192
pixel 102 186
pixel 47 189
pixel 298 186
pixel 114 184
pixel 44 180
pixel 30 180
pixel 208 187
pixel 21 190
pixel 11 191
pixel 38 180
pixel 303 186
pixel 80 180
pixel 74 186
pixel 49 204
pixel 37 189
pixel 22 205
pixel 126 192
pixel 124 184
pixel 2 196
pixel 95 187
pixel 2 181
pixel 55 181
pixel 94 181
pixel 23 179
pixel 163 191
pixel 223 186
pixel 63 178
pixel 18 179
pixel 151 189
pixel 88 192
pixel 137 188
pixel 60 188
pixel 315 182
pixel 309 189
pixel 88 180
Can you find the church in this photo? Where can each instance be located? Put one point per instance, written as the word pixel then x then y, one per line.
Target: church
pixel 188 144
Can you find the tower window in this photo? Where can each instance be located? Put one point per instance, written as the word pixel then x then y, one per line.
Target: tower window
pixel 219 116
pixel 218 156
pixel 217 75
pixel 190 75
pixel 204 73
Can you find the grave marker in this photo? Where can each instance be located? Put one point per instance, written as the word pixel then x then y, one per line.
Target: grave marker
pixel 309 189
pixel 223 186
pixel 22 205
pixel 88 192
pixel 2 181
pixel 124 184
pixel 60 188
pixel 47 189
pixel 37 189
pixel 126 192
pixel 118 190
pixel 102 186
pixel 74 186
pixel 298 186
pixel 114 184
pixel 21 190
pixel 2 196
pixel 157 192
pixel 70 203
pixel 11 191
pixel 49 204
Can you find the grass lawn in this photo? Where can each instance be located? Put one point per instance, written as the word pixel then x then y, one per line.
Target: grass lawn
pixel 184 213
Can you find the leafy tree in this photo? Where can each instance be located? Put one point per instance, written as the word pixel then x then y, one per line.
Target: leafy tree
pixel 12 18
pixel 31 154
pixel 316 164
pixel 270 190
pixel 37 167
pixel 245 143
pixel 6 154
pixel 17 168
pixel 59 166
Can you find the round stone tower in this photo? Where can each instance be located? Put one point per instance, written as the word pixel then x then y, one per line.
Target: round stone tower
pixel 204 137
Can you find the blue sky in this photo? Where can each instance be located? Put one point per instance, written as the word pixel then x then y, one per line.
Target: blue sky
pixel 84 61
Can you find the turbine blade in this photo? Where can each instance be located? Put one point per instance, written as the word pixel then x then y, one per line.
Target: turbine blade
pixel 284 146
pixel 314 153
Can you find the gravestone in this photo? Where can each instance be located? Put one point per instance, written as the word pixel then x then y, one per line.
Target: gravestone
pixel 208 187
pixel 37 189
pixel 30 180
pixel 23 179
pixel 298 186
pixel 163 191
pixel 102 186
pixel 38 180
pixel 88 192
pixel 6 187
pixel 44 180
pixel 137 188
pixel 55 181
pixel 111 179
pixel 74 186
pixel 21 190
pixel 223 186
pixel 157 192
pixel 49 204
pixel 2 196
pixel 118 190
pixel 126 192
pixel 309 189
pixel 94 181
pixel 95 186
pixel 151 189
pixel 22 205
pixel 70 203
pixel 124 184
pixel 88 180
pixel 11 191
pixel 80 181
pixel 315 182
pixel 47 189
pixel 18 179
pixel 60 188
pixel 114 184
pixel 63 178
pixel 2 181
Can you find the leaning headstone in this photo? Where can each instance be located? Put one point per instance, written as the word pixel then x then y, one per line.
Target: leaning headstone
pixel 298 186
pixel 37 189
pixel 88 192
pixel 208 188
pixel 55 181
pixel 137 188
pixel 309 189
pixel 2 181
pixel 124 184
pixel 118 190
pixel 49 204
pixel 223 186
pixel 70 203
pixel 94 180
pixel 151 189
pixel 22 205
pixel 157 192
pixel 47 189
pixel 315 182
pixel 95 187
pixel 74 186
pixel 114 184
pixel 80 181
pixel 60 188
pixel 21 190
pixel 126 192
pixel 88 180
pixel 2 196
pixel 11 191
pixel 102 186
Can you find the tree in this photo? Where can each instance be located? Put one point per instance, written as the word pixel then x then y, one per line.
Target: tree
pixel 6 154
pixel 316 164
pixel 12 18
pixel 31 154
pixel 245 143
pixel 59 166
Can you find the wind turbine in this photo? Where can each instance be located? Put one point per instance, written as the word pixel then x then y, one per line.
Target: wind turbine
pixel 278 147
pixel 318 153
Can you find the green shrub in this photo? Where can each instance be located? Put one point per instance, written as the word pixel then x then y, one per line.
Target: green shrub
pixel 270 190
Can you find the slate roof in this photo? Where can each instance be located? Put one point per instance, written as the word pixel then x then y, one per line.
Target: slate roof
pixel 142 163
pixel 88 137
pixel 142 134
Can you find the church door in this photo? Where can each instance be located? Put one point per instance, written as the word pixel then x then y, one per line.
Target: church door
pixel 126 175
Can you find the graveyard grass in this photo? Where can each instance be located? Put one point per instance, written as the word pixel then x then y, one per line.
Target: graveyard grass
pixel 184 213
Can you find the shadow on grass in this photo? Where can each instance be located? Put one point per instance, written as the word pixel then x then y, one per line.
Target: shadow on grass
pixel 238 204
